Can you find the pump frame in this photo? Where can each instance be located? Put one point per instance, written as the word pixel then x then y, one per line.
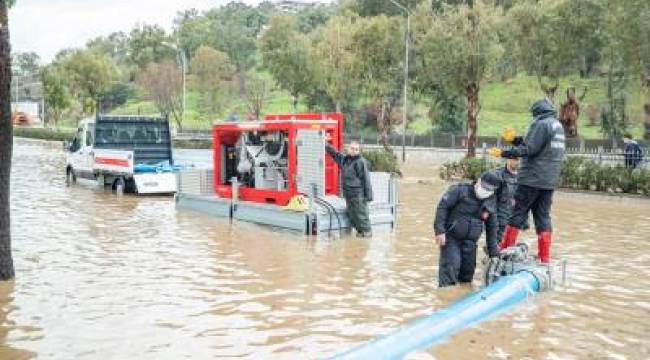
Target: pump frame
pixel 228 134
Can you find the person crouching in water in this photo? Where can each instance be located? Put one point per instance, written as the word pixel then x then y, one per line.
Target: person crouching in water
pixel 542 152
pixel 357 188
pixel 459 222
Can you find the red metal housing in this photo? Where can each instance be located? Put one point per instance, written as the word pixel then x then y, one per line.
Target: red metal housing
pixel 228 134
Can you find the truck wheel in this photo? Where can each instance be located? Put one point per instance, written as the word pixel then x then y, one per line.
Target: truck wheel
pixel 70 177
pixel 120 185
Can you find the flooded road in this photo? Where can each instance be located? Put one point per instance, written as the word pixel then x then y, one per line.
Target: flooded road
pixel 101 277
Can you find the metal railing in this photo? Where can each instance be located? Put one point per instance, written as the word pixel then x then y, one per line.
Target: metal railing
pixel 601 150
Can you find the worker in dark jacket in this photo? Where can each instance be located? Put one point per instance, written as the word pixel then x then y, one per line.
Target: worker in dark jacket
pixel 458 225
pixel 357 189
pixel 542 153
pixel 632 152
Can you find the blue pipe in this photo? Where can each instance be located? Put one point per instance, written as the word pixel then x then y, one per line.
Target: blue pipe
pixel 475 307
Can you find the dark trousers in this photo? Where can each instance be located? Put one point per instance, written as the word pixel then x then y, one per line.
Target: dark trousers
pixel 538 201
pixel 357 210
pixel 457 262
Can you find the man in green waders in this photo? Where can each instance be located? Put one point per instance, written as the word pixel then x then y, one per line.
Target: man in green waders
pixel 357 189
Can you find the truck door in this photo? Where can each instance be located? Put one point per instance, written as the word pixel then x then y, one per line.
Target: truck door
pixel 75 156
pixel 88 145
pixel 81 158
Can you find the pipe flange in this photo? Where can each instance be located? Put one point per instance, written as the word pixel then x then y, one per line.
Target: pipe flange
pixel 543 276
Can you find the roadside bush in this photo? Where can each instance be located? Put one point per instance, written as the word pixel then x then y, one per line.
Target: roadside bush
pixel 381 160
pixel 44 134
pixel 577 173
pixel 467 168
pixel 193 144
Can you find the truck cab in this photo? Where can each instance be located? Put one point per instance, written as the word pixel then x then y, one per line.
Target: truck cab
pixel 127 153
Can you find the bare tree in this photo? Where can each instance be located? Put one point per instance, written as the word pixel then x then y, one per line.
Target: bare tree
pixel 162 82
pixel 257 94
pixel 6 145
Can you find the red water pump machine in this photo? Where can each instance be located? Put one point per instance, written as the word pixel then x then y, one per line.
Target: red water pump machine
pixel 277 158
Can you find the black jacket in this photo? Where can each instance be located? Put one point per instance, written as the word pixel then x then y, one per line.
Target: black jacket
pixel 542 151
pixel 633 154
pixel 461 215
pixel 504 196
pixel 355 174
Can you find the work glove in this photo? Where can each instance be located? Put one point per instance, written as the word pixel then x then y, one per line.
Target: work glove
pixel 509 135
pixel 495 151
pixel 518 140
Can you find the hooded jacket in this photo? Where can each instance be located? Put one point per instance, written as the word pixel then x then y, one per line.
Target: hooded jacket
pixel 543 149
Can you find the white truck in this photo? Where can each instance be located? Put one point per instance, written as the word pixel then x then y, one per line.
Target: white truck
pixel 127 153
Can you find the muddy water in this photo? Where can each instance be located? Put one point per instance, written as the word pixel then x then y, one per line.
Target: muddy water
pixel 100 277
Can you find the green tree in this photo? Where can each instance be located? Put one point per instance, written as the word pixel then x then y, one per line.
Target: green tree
pixel 333 57
pixel 447 111
pixel 27 63
pixel 234 29
pixel 461 48
pixel 116 95
pixel 556 38
pixel 192 30
pixel 6 144
pixel 90 75
pixel 633 27
pixel 313 16
pixel 284 53
pixel 55 92
pixel 148 43
pixel 162 83
pixel 378 45
pixel 115 45
pixel 369 8
pixel 212 72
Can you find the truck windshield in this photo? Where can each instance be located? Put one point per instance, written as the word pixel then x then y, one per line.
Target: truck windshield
pixel 130 133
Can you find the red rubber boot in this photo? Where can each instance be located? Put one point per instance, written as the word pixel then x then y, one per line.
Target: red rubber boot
pixel 510 235
pixel 544 246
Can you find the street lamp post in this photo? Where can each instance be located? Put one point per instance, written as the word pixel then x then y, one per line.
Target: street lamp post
pixel 406 74
pixel 184 73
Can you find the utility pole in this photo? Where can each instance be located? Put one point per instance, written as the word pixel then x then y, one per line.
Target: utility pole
pixel 406 74
pixel 183 60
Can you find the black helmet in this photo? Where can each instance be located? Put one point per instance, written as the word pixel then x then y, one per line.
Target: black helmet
pixel 490 180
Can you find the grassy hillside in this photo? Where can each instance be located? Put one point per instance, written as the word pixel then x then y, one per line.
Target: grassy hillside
pixel 503 104
pixel 506 104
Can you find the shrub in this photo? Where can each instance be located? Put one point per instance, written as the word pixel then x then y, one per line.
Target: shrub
pixel 381 160
pixel 43 133
pixel 467 168
pixel 576 173
pixel 192 144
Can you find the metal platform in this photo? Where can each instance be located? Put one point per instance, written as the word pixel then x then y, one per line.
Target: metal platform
pixel 325 215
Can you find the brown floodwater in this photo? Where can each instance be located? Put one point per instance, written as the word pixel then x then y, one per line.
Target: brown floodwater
pixel 102 277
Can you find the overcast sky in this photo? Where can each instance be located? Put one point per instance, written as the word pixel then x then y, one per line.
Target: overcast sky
pixel 47 26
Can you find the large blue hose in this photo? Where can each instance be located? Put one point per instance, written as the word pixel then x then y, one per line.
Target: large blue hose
pixel 422 333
